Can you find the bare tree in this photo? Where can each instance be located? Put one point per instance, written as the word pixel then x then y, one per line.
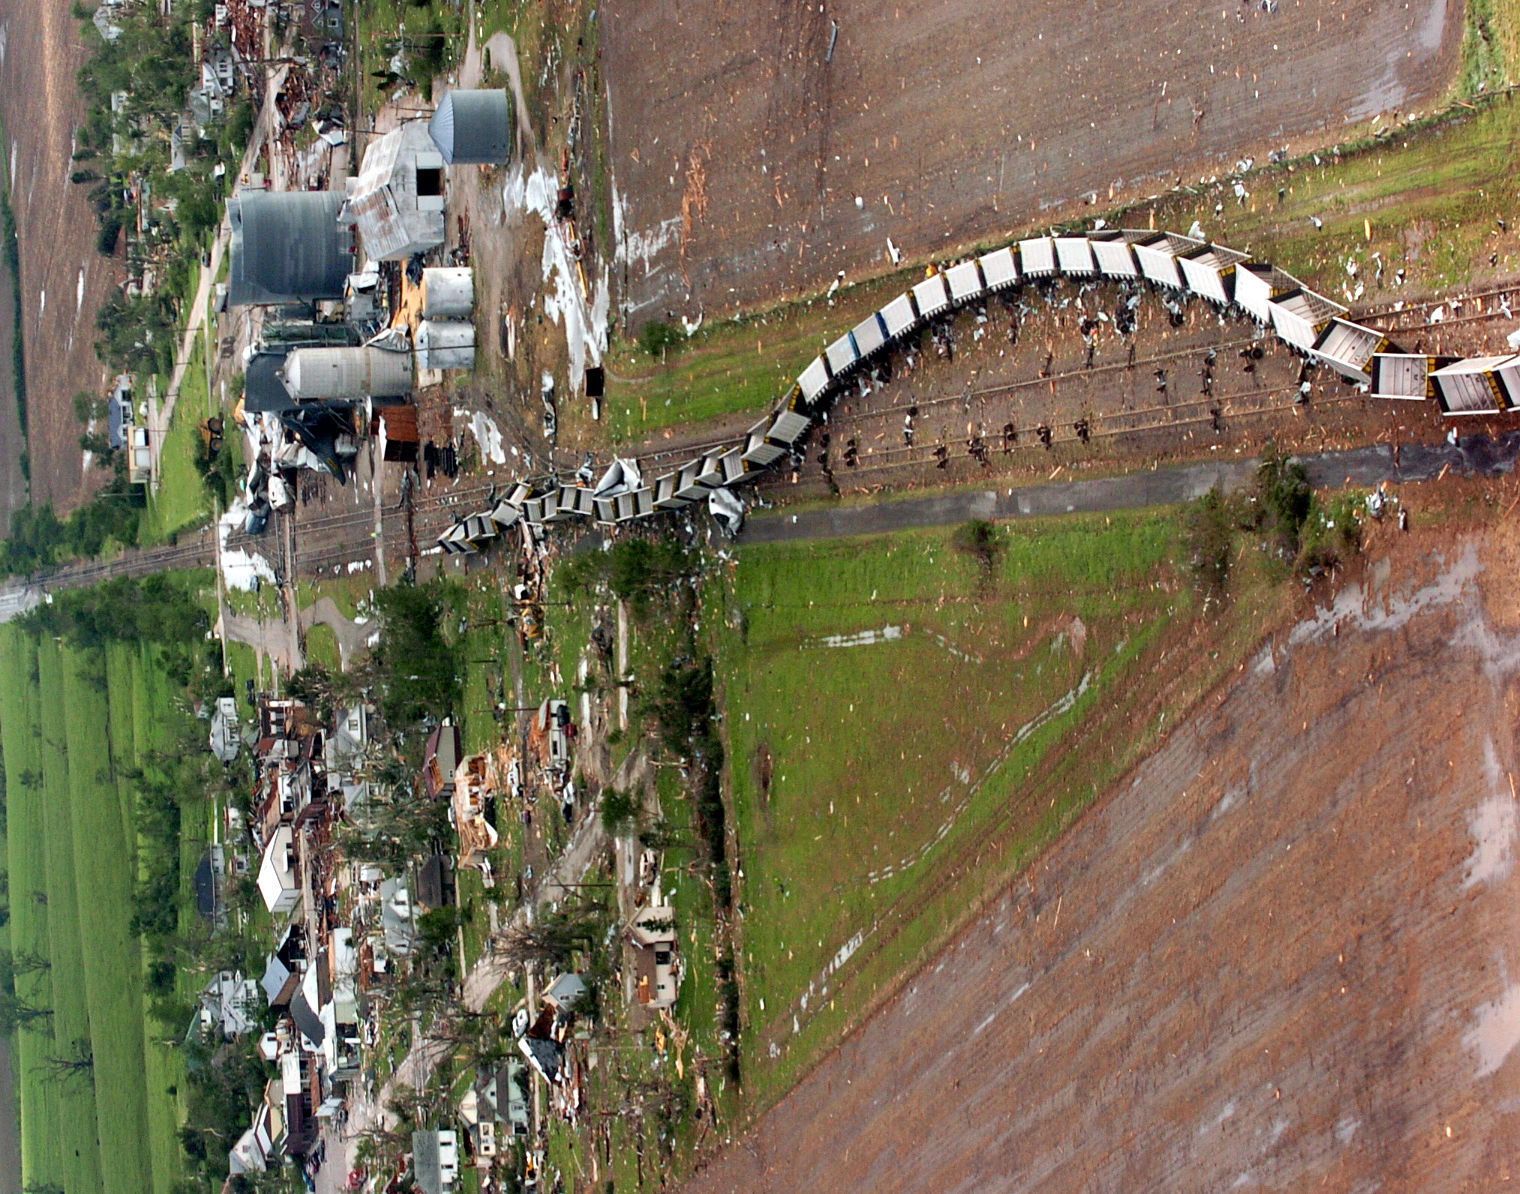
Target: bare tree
pixel 78 1062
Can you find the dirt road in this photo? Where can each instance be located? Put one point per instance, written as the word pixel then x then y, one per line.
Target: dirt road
pixel 64 280
pixel 750 164
pixel 1281 956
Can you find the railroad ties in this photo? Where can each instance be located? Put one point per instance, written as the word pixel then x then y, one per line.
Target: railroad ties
pixel 1310 324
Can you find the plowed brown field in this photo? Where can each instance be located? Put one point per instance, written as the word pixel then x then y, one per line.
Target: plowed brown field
pixel 750 165
pixel 1283 955
pixel 64 280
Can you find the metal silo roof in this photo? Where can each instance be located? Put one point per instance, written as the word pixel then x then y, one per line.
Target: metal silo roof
pixel 287 246
pixel 473 127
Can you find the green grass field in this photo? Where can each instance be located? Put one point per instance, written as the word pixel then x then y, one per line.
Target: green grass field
pixel 69 721
pixel 745 365
pixel 883 784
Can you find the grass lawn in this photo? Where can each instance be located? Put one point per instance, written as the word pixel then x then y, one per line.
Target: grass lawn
pixel 70 719
pixel 732 366
pixel 181 500
pixel 882 784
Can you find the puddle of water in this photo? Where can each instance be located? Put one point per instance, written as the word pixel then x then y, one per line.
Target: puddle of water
pixel 1494 825
pixel 1496 1032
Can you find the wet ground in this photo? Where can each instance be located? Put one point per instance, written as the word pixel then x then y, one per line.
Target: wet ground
pixel 64 280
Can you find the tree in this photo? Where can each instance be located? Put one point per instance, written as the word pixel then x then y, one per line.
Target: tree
pixel 553 939
pixel 17 1013
pixel 29 961
pixel 620 811
pixel 415 667
pixel 1282 488
pixel 78 1062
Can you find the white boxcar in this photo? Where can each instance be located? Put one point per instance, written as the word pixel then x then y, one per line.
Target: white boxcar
pixel 1472 387
pixel 842 355
pixel 870 334
pixel 1210 272
pixel 1037 257
pixel 899 316
pixel 814 380
pixel 1348 348
pixel 1113 256
pixel 931 296
pixel 1404 375
pixel 965 282
pixel 999 270
pixel 1074 256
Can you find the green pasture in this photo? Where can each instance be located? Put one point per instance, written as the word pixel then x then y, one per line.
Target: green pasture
pixel 70 720
pixel 882 785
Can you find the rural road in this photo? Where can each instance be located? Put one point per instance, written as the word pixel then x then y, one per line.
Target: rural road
pixel 1357 466
pixel 159 418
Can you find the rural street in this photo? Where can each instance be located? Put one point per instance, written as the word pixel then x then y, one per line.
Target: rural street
pixel 158 419
pixel 1356 466
pixel 364 1111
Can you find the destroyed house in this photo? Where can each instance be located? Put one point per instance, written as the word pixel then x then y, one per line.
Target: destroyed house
pixel 440 757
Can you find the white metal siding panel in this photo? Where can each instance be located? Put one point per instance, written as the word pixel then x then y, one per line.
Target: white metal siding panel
pixel 931 296
pixel 1075 256
pixel 965 282
pixel 606 510
pixel 999 269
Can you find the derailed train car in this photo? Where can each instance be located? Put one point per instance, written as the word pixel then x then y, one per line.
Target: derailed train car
pixel 1310 324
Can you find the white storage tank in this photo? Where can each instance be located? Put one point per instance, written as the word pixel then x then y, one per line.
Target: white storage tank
pixel 315 374
pixel 445 344
pixel 448 292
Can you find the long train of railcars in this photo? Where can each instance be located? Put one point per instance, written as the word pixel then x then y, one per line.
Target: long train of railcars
pixel 1310 324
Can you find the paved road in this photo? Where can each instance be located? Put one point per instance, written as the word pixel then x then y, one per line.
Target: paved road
pixel 1358 466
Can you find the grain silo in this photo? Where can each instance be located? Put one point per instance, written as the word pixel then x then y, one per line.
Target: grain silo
pixel 473 127
pixel 326 374
pixel 448 292
pixel 445 344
